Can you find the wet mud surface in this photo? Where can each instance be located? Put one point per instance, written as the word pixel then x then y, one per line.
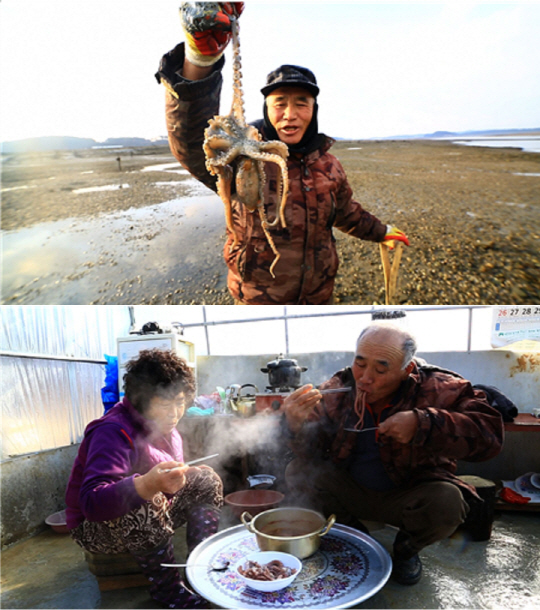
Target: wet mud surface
pixel 145 255
pixel 81 227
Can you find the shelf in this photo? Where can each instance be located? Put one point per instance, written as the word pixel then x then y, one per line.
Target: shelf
pixel 533 507
pixel 524 422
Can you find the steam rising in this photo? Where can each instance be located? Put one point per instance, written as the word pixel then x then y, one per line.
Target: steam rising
pixel 234 437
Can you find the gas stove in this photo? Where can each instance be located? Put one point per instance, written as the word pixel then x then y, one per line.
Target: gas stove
pixel 269 402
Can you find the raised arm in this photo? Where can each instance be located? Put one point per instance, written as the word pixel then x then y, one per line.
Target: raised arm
pixel 191 75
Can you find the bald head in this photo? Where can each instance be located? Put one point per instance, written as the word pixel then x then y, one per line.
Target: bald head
pixel 387 333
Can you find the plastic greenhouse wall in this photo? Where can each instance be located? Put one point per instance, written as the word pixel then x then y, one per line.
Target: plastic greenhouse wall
pixel 48 399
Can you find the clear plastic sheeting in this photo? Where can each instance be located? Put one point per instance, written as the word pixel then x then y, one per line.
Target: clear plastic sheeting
pixel 77 331
pixel 46 402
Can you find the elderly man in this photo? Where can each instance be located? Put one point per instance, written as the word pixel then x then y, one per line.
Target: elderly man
pixel 320 197
pixel 387 449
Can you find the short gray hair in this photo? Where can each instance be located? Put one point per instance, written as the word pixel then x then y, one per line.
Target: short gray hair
pixel 408 346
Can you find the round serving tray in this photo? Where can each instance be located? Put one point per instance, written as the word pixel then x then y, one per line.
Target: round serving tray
pixel 348 568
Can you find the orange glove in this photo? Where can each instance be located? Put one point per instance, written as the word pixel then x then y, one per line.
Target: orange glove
pixel 393 234
pixel 207 28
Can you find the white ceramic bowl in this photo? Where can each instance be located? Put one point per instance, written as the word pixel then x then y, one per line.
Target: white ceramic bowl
pixel 263 557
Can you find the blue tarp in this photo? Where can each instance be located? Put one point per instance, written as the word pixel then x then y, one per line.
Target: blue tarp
pixel 109 392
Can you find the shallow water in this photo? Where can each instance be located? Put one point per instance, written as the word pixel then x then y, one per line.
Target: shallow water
pixel 105 187
pixel 17 188
pixel 527 144
pixel 173 168
pixel 125 257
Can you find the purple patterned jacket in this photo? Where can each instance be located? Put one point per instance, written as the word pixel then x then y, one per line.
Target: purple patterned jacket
pixel 115 448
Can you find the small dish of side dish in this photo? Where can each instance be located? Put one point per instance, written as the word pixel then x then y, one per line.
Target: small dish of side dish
pixel 268 570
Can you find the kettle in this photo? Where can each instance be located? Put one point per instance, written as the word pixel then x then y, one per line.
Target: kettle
pixel 284 372
pixel 242 405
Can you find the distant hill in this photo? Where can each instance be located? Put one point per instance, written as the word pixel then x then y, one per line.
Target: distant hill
pixel 47 143
pixel 71 143
pixel 485 132
pixel 133 142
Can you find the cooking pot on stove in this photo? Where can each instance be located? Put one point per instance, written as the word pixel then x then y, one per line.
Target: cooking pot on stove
pixel 284 372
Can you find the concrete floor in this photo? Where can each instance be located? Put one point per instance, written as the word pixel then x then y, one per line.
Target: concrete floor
pixel 49 571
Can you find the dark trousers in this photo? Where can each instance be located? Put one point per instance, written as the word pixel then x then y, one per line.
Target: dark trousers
pixel 424 514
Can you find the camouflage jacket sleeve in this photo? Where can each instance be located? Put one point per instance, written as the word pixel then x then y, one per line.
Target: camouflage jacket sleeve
pixel 455 420
pixel 351 218
pixel 318 435
pixel 188 107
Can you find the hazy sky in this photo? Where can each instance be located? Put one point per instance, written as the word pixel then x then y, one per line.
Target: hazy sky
pixel 86 68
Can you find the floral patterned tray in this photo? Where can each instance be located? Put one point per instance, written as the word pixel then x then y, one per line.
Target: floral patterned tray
pixel 348 568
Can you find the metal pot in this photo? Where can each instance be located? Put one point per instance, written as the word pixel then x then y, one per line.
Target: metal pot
pixel 244 406
pixel 297 531
pixel 284 372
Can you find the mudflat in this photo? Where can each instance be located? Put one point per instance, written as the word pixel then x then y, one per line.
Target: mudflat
pixel 117 226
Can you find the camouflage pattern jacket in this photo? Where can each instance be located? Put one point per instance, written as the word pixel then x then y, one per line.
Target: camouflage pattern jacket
pixel 320 198
pixel 455 422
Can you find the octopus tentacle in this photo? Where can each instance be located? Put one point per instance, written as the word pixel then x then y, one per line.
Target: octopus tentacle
pixel 224 158
pixel 229 142
pixel 273 158
pixel 264 225
pixel 262 213
pixel 237 109
pixel 224 191
pixel 262 183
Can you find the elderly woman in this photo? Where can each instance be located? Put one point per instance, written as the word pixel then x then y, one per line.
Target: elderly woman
pixel 122 495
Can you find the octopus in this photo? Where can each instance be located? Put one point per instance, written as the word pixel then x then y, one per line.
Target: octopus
pixel 391 271
pixel 236 154
pixel 272 570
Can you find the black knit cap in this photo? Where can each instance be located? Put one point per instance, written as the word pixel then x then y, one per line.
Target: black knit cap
pixel 291 76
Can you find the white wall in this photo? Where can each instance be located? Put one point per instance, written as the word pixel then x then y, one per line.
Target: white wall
pixel 515 374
